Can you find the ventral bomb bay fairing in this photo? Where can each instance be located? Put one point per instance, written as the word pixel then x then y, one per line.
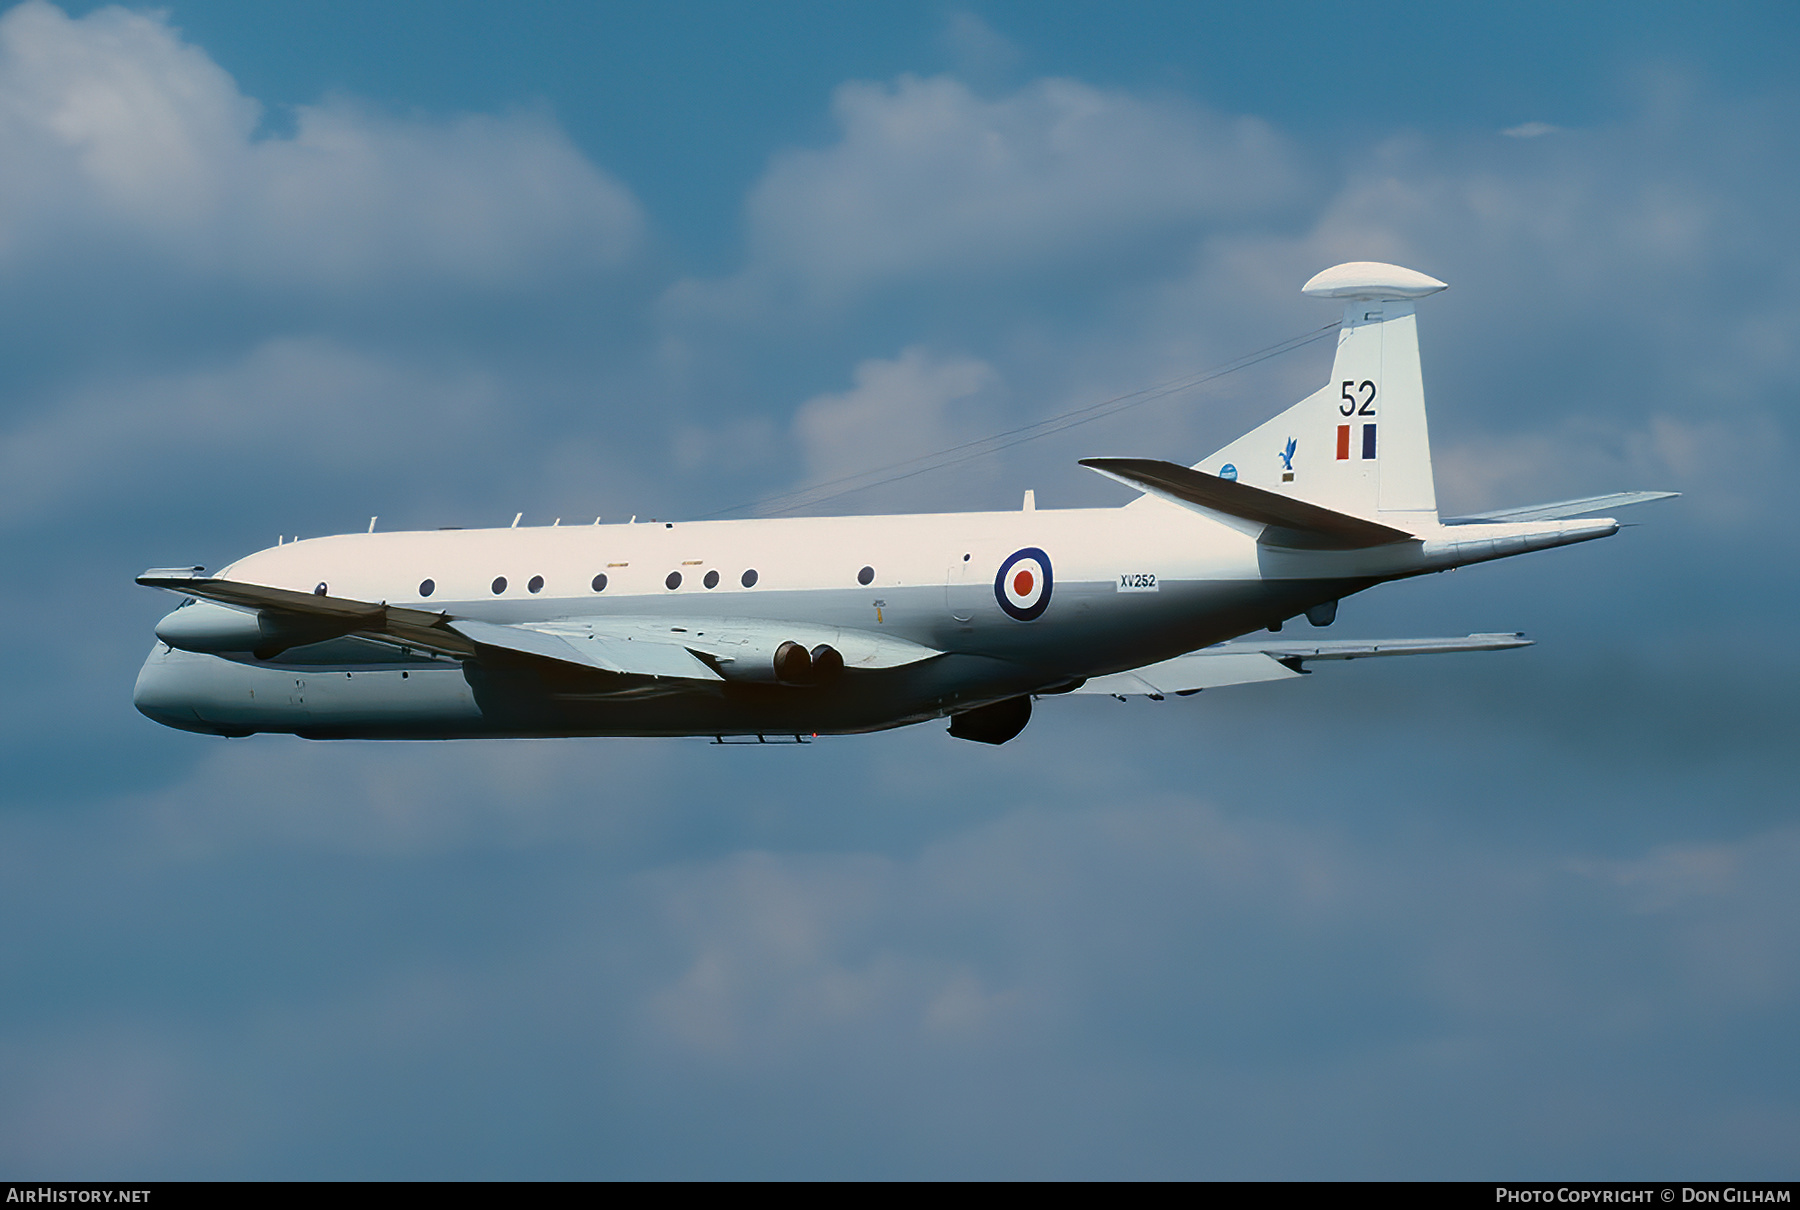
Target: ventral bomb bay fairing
pixel 792 628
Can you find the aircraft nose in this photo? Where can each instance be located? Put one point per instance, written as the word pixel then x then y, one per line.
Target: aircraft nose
pixel 164 692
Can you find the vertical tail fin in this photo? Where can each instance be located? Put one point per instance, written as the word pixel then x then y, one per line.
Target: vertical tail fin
pixel 1360 444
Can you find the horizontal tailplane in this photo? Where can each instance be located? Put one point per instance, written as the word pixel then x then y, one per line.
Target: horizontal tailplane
pixel 1272 518
pixel 1563 508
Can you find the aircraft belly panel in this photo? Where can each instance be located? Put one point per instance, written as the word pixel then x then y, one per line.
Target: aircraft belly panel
pixel 211 694
pixel 533 701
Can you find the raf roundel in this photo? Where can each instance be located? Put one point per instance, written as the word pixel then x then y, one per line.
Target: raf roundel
pixel 1023 585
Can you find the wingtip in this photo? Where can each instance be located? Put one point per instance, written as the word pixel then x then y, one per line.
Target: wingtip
pixel 158 577
pixel 1506 638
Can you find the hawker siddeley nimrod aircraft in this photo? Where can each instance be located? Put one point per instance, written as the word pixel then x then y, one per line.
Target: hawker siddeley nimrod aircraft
pixel 764 629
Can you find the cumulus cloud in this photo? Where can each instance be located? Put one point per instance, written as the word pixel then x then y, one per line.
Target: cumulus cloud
pixel 1723 464
pixel 406 802
pixel 899 409
pixel 979 51
pixel 278 413
pixel 1620 306
pixel 113 129
pixel 104 1099
pixel 1728 904
pixel 1089 950
pixel 929 181
pixel 183 287
pixel 1616 315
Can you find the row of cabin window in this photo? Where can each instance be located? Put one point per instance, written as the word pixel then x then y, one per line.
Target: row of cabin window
pixel 672 582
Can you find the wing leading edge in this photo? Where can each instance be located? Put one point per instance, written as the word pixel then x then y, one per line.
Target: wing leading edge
pixel 288 618
pixel 1246 661
pixel 703 650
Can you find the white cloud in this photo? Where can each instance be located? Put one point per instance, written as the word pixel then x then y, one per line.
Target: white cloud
pixel 114 114
pixel 100 1098
pixel 280 412
pixel 979 51
pixel 113 129
pixel 1080 947
pixel 928 181
pixel 399 802
pixel 899 409
pixel 1721 462
pixel 1602 291
pixel 1531 130
pixel 1730 906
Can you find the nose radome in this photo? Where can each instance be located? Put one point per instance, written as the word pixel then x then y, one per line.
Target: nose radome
pixel 164 692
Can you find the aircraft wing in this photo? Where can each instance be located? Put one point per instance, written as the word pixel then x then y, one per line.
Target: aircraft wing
pixel 625 654
pixel 708 649
pixel 305 617
pixel 1563 508
pixel 190 582
pixel 698 649
pixel 1247 660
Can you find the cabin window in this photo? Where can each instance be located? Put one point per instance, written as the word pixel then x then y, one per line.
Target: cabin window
pixel 712 579
pixel 674 581
pixel 536 585
pixel 866 576
pixel 600 582
pixel 499 585
pixel 749 578
pixel 427 587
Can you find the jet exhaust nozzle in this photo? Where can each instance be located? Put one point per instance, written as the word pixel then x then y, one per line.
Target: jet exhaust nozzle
pixel 827 664
pixel 793 664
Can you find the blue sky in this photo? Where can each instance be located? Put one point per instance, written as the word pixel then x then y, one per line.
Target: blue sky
pixel 273 269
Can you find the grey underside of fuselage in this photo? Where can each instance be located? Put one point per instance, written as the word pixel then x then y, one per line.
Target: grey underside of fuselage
pixel 354 688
